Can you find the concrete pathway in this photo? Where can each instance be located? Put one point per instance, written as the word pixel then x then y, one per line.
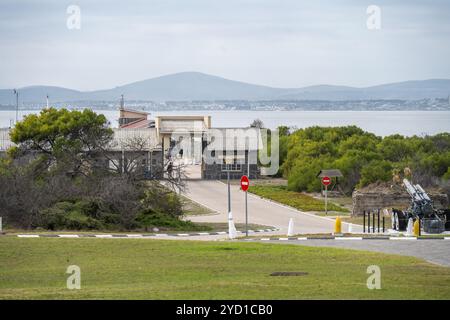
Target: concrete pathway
pixel 435 251
pixel 213 194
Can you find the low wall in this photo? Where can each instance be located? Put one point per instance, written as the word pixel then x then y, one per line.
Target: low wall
pixel 374 200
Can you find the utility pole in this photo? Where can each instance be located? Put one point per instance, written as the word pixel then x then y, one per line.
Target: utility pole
pixel 229 193
pixel 17 104
pixel 248 162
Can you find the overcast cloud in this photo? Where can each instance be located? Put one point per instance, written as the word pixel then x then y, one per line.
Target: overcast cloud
pixel 281 43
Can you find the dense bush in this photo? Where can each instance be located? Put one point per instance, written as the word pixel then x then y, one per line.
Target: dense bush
pixel 53 178
pixel 67 215
pixel 362 157
pixel 149 219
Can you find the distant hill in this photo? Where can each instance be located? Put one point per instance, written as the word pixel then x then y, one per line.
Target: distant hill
pixel 199 86
pixel 38 94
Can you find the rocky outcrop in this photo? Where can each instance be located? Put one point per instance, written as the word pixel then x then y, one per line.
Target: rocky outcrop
pixel 379 197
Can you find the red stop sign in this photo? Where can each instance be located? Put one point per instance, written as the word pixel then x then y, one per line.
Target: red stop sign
pixel 326 181
pixel 244 183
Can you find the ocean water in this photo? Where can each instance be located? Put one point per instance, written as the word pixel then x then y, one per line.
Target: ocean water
pixel 381 123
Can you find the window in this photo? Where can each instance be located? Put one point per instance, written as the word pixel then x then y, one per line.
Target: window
pixel 231 167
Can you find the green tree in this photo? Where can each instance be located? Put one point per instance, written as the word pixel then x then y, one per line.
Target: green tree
pixel 62 137
pixel 376 171
pixel 362 157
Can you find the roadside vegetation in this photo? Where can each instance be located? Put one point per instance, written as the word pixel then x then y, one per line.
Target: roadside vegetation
pixel 294 199
pixel 157 269
pixel 55 178
pixel 362 157
pixel 192 208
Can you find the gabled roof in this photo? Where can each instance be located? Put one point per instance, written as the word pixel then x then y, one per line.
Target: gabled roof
pixel 137 124
pixel 135 111
pixel 238 139
pixel 330 173
pixel 129 139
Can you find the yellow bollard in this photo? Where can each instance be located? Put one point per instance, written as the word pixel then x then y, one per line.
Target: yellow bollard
pixel 416 228
pixel 337 226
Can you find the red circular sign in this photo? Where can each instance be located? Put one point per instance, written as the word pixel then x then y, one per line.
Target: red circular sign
pixel 244 183
pixel 326 181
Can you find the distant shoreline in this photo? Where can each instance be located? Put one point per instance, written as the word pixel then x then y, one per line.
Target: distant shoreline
pixel 379 122
pixel 239 110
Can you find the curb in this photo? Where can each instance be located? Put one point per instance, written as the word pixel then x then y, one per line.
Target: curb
pixel 146 235
pixel 348 238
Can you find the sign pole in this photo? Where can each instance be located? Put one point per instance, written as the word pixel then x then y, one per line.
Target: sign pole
pixel 326 181
pixel 229 193
pixel 246 215
pixel 245 182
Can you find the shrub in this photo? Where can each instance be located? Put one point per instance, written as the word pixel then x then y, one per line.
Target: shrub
pixel 150 219
pixel 66 215
pixel 362 157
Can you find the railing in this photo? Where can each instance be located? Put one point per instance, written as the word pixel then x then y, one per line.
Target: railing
pixel 373 215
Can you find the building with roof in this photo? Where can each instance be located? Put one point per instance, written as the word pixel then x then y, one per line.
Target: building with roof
pixel 152 145
pixel 190 141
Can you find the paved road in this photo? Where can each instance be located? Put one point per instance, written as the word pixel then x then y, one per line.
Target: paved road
pixel 213 194
pixel 435 251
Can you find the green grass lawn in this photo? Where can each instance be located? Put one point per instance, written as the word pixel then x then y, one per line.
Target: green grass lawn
pixel 158 269
pixel 294 199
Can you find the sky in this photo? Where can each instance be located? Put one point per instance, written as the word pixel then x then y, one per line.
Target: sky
pixel 279 43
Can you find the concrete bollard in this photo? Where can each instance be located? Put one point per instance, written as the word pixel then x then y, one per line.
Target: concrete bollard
pixel 290 228
pixel 350 228
pixel 409 228
pixel 337 226
pixel 416 228
pixel 232 233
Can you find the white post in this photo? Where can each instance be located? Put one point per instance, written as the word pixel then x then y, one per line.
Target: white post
pixel 409 228
pixel 1 227
pixel 231 228
pixel 326 199
pixel 291 228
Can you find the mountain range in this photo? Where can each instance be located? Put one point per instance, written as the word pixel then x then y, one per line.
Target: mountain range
pixel 190 86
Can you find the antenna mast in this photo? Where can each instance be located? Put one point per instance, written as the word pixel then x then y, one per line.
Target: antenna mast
pixel 121 102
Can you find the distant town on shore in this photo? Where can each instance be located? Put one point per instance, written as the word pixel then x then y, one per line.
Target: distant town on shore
pixel 199 91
